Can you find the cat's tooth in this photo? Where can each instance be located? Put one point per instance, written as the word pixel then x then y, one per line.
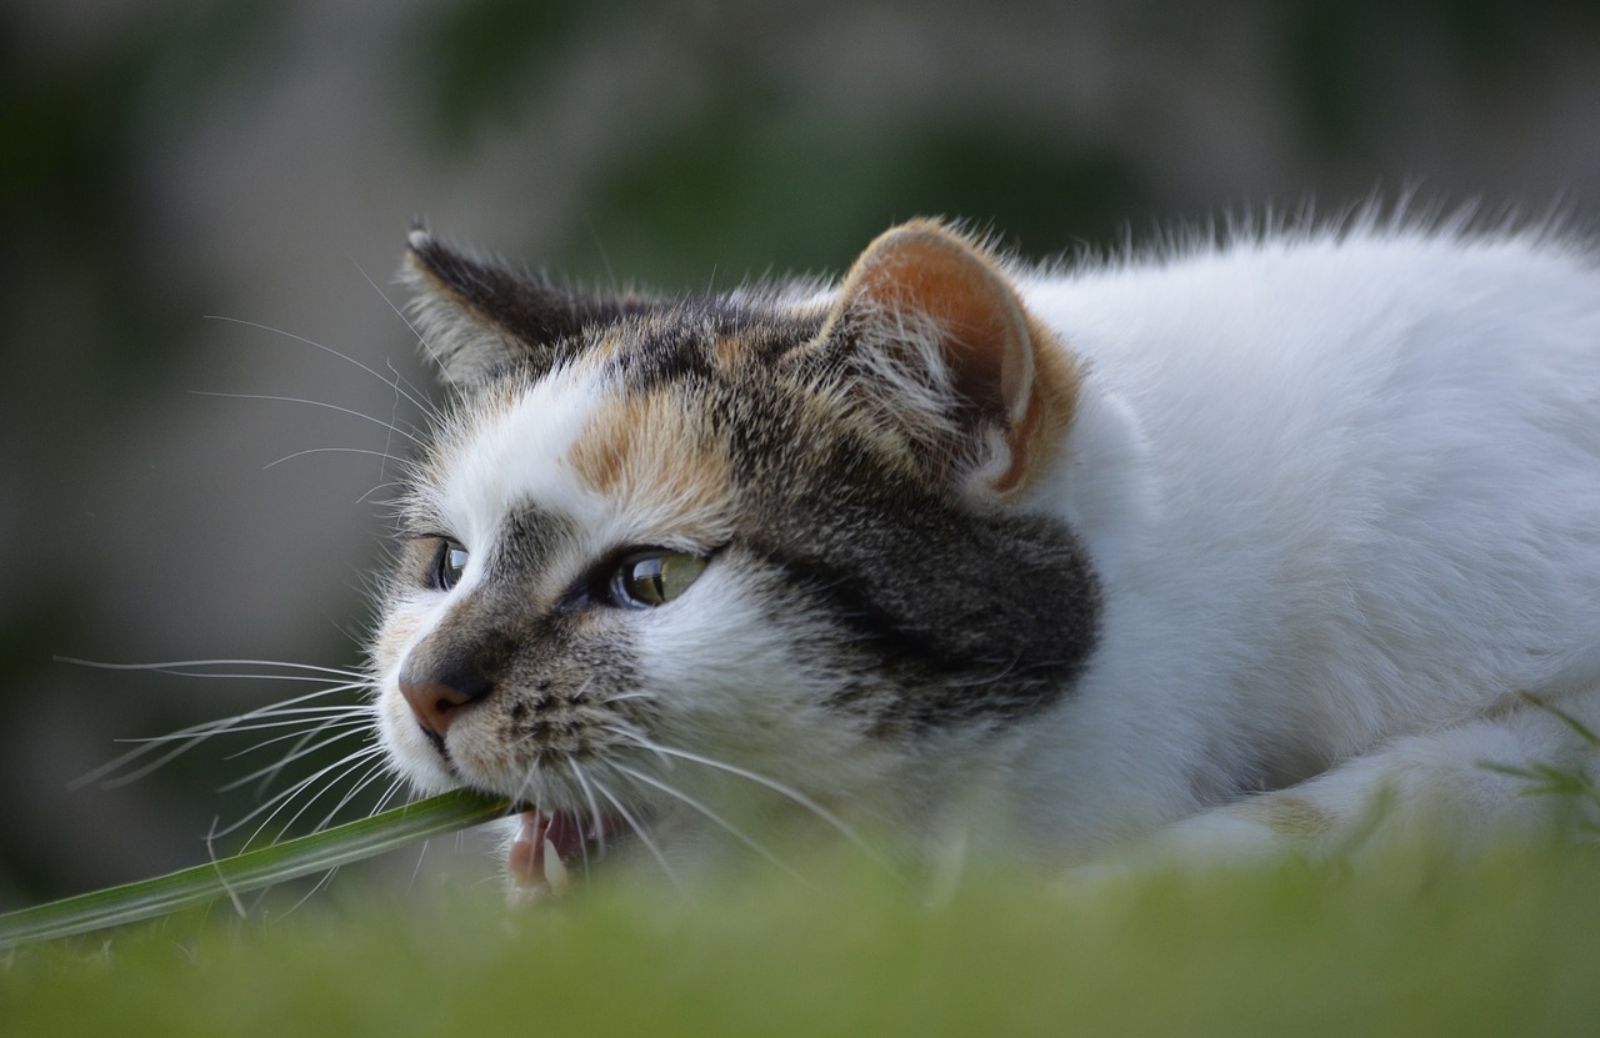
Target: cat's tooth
pixel 555 871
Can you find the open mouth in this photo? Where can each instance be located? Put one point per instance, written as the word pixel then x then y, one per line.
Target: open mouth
pixel 548 846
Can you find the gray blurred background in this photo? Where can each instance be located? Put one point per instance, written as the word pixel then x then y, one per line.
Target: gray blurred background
pixel 257 160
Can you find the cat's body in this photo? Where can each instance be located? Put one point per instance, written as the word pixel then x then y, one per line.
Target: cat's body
pixel 1063 558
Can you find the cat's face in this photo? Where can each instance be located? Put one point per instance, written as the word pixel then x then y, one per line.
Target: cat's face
pixel 762 532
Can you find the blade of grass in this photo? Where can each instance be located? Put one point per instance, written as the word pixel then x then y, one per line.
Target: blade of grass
pixel 252 870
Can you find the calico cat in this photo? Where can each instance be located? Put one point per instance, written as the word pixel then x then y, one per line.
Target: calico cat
pixel 1220 547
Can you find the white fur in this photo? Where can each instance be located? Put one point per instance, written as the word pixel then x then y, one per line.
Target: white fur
pixel 1353 494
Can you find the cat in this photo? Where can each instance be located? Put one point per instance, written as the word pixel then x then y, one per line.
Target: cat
pixel 1222 550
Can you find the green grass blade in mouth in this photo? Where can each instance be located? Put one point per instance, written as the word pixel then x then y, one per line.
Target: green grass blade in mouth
pixel 252 870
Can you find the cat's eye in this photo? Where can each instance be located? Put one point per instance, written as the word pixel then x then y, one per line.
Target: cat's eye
pixel 448 564
pixel 654 577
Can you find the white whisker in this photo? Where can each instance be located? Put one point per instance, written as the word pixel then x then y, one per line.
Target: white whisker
pixel 594 807
pixel 272 776
pixel 197 734
pixel 388 794
pixel 624 697
pixel 628 731
pixel 378 769
pixel 685 798
pixel 297 755
pixel 336 450
pixel 428 409
pixel 335 722
pixel 639 831
pixel 313 715
pixel 314 403
pixel 390 483
pixel 344 766
pixel 425 407
pixel 777 787
pixel 326 878
pixel 177 666
pixel 283 797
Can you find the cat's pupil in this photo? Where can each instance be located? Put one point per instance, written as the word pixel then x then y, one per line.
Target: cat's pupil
pixel 655 578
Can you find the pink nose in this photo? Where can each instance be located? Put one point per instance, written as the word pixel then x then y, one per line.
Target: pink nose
pixel 436 703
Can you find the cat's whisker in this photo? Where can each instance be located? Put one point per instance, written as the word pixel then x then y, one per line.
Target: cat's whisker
pixel 626 696
pixel 359 766
pixel 301 678
pixel 337 450
pixel 273 807
pixel 300 754
pixel 195 735
pixel 185 668
pixel 381 486
pixel 426 408
pixel 780 788
pixel 376 771
pixel 226 725
pixel 639 831
pixel 322 881
pixel 388 794
pixel 362 766
pixel 312 716
pixel 594 806
pixel 333 722
pixel 279 799
pixel 413 437
pixel 434 412
pixel 305 739
pixel 527 785
pixel 631 732
pixel 429 409
pixel 679 795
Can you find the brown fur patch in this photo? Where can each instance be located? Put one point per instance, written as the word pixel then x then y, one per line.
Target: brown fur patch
pixel 729 352
pixel 654 456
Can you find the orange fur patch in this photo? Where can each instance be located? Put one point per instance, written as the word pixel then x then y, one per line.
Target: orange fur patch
pixel 655 457
pixel 1044 426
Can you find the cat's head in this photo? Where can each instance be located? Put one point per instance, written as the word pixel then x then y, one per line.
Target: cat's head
pixel 660 547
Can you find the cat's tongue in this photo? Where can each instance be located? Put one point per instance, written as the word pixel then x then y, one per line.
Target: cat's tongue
pixel 545 845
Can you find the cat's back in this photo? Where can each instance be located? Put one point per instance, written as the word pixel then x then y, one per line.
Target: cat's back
pixel 1384 444
pixel 1335 323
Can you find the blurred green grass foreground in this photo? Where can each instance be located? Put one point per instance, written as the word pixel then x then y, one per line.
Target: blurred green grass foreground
pixel 1506 944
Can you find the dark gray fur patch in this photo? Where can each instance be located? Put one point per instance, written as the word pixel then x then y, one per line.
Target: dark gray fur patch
pixel 948 617
pixel 676 341
pixel 537 322
pixel 941 614
pixel 528 535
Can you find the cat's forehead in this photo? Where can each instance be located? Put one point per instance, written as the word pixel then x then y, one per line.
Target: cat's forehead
pixel 621 442
pixel 507 450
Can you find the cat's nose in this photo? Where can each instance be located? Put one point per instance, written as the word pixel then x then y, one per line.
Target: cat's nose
pixel 437 699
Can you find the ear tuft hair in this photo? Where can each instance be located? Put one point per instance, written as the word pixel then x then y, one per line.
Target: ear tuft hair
pixel 480 319
pixel 931 333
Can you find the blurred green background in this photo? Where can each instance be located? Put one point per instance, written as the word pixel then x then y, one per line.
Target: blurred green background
pixel 162 162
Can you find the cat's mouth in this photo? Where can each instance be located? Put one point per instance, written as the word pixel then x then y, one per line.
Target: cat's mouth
pixel 549 846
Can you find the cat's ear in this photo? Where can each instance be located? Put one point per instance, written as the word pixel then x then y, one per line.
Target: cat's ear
pixel 479 320
pixel 929 334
